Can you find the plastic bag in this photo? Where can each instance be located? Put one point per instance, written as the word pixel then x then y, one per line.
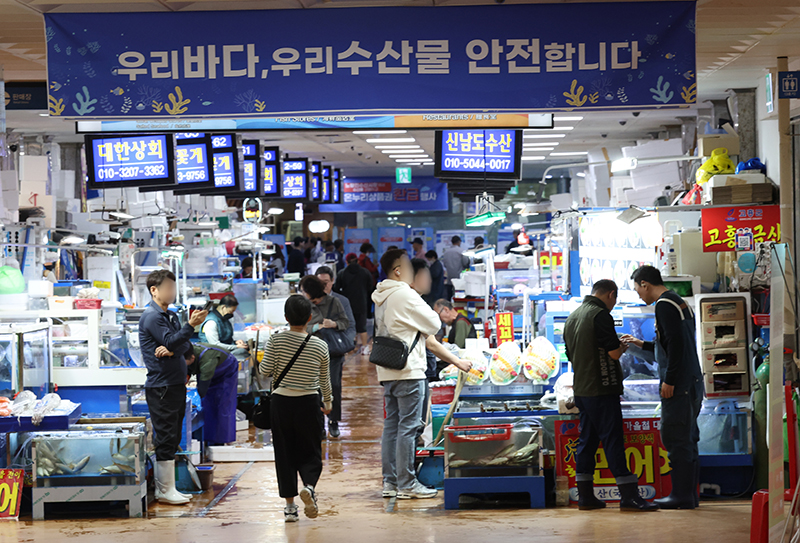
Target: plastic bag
pixel 718 163
pixel 540 360
pixel 506 364
pixel 565 394
pixel 694 196
pixel 480 367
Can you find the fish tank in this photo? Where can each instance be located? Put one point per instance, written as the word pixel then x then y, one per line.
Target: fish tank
pixel 25 353
pixel 88 458
pixel 495 446
pixel 725 428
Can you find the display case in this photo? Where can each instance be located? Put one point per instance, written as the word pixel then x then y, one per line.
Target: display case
pixel 89 457
pixel 498 446
pixel 25 352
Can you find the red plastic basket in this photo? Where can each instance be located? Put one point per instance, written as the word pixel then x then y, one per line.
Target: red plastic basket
pixel 761 319
pixel 218 295
pixel 493 432
pixel 442 395
pixel 86 303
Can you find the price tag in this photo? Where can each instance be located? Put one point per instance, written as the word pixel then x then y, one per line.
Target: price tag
pixel 102 285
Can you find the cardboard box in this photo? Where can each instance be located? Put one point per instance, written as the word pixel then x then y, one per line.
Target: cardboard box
pixel 723 334
pixel 707 143
pixel 725 360
pixel 739 194
pixel 716 311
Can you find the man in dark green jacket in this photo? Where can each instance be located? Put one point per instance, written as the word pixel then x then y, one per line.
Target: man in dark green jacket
pixel 594 349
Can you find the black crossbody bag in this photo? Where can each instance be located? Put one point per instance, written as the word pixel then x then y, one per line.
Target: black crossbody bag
pixel 388 352
pixel 262 413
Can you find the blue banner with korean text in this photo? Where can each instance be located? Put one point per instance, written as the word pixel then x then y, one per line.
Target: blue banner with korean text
pixel 376 61
pixel 384 194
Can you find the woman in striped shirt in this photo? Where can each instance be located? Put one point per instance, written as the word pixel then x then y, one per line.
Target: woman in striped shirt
pixel 295 406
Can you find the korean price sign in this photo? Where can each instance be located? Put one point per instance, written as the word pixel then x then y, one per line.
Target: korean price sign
pixel 478 151
pixel 646 456
pixel 739 228
pixel 505 327
pixel 10 492
pixel 129 158
pixel 191 161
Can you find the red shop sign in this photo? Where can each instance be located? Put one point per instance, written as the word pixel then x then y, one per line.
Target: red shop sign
pixel 10 492
pixel 739 228
pixel 505 327
pixel 647 458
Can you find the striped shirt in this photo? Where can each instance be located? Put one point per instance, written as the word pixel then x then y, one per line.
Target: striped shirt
pixel 311 371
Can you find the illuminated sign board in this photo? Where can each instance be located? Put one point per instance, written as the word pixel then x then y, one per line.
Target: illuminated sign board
pixel 478 154
pixel 130 161
pixel 295 184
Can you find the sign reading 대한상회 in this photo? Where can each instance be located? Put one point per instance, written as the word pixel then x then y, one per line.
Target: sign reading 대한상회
pixel 438 62
pixel 739 228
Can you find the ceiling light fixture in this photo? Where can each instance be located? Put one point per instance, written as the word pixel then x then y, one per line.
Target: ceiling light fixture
pixel 379 131
pixel 418 156
pixel 407 161
pixel 567 118
pixel 275 211
pixel 536 149
pixel 72 239
pixel 397 147
pixel 318 227
pixel 402 151
pixel 540 143
pixel 44 114
pixel 527 158
pixel 391 140
pixel 542 136
pixel 570 153
pixel 556 128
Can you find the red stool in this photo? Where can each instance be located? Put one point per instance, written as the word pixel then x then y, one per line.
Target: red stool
pixel 759 517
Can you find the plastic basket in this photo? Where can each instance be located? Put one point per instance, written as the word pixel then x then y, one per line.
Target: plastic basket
pixel 87 303
pixel 761 319
pixel 443 395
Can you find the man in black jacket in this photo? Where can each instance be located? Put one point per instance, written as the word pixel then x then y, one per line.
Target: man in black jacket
pixel 296 262
pixel 594 349
pixel 356 284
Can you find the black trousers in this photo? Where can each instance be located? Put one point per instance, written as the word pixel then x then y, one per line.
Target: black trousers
pixel 296 429
pixel 167 406
pixel 336 384
pixel 601 420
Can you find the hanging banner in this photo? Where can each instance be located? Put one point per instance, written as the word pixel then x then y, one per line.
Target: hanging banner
pixel 354 238
pixel 647 458
pixel 384 194
pixel 438 62
pixel 505 327
pixel 739 228
pixel 391 236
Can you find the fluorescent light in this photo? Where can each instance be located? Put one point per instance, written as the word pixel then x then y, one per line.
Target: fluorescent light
pixel 540 143
pixel 527 158
pixel 556 128
pixel 402 151
pixel 44 114
pixel 543 136
pixel 418 156
pixel 397 147
pixel 570 153
pixel 72 239
pixel 318 227
pixel 391 140
pixel 407 161
pixel 516 226
pixel 379 131
pixel 534 149
pixel 624 164
pixel 121 216
pixel 275 211
pixel 564 119
pixel 520 205
pixel 580 174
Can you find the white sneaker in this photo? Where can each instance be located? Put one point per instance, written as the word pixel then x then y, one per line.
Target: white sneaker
pixel 310 500
pixel 290 513
pixel 417 492
pixel 389 490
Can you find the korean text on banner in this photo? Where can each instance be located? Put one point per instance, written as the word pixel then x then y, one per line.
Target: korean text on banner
pixel 382 60
pixel 505 327
pixel 391 236
pixel 739 228
pixel 354 238
pixel 10 492
pixel 646 456
pixel 384 194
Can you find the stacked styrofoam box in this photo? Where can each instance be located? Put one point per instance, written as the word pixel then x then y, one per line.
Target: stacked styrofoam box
pixel 619 184
pixel 656 175
pixel 9 210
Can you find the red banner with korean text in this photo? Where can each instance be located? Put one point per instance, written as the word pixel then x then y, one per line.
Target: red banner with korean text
pixel 739 228
pixel 505 327
pixel 10 492
pixel 647 458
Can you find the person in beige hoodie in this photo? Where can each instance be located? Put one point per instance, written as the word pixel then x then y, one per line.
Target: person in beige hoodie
pixel 402 314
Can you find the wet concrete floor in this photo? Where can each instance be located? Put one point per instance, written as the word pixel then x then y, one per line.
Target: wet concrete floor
pixel 352 511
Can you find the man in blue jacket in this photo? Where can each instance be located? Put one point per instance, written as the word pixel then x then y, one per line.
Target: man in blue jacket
pixel 164 342
pixel 681 384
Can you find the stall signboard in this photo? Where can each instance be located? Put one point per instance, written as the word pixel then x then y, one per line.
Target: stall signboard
pixel 336 186
pixel 739 228
pixel 10 492
pixel 130 160
pixel 316 181
pixel 224 176
pixel 325 184
pixel 221 141
pixel 647 458
pixel 294 185
pixel 272 170
pixel 505 327
pixel 478 154
pixel 391 236
pixel 26 95
pixel 384 194
pixel 355 237
pixel 546 259
pixel 378 60
pixel 192 163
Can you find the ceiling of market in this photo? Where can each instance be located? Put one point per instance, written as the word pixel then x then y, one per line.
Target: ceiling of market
pixel 737 42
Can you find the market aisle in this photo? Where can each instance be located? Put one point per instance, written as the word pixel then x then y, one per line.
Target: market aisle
pixel 352 510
